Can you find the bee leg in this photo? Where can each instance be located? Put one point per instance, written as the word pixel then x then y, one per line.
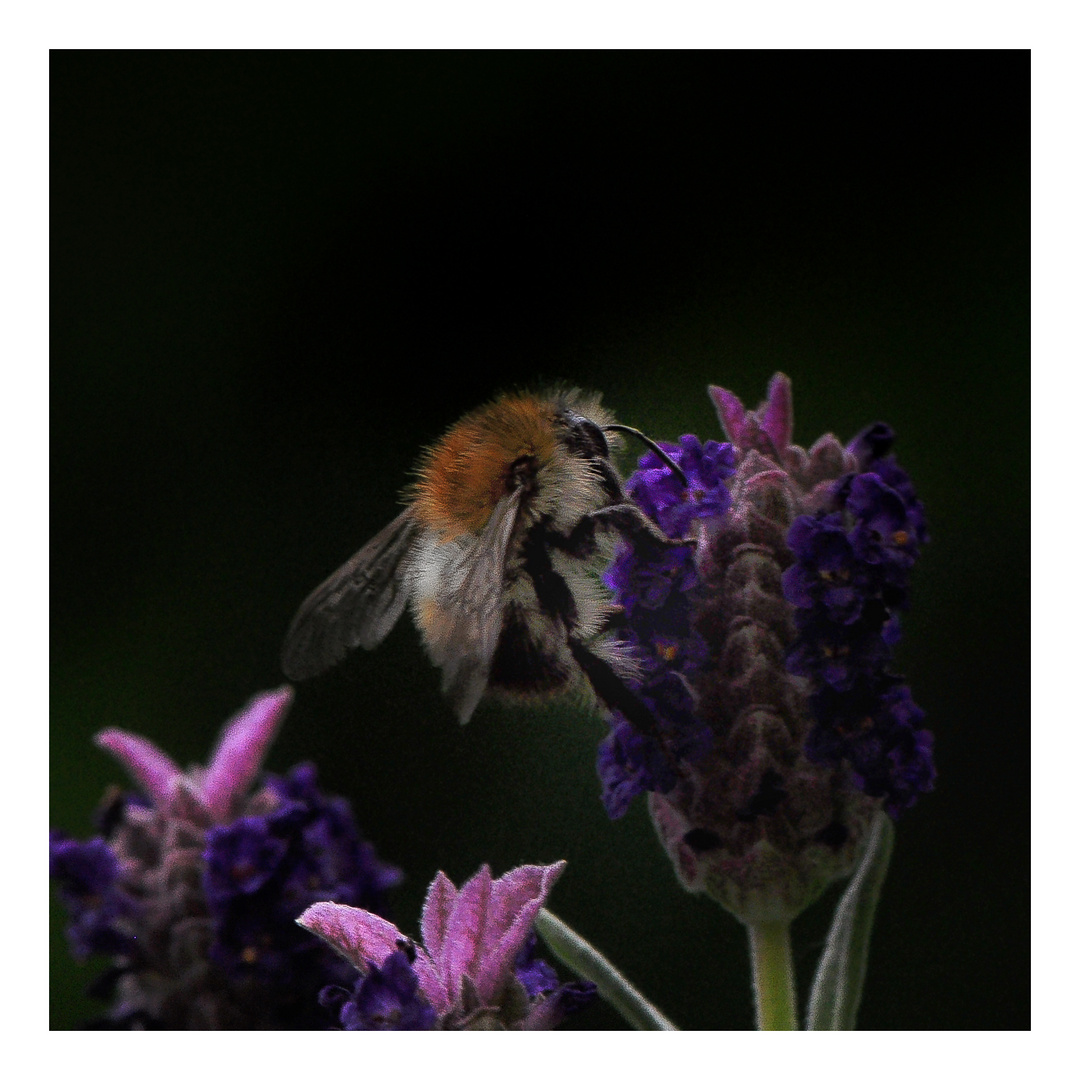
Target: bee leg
pixel 611 690
pixel 617 696
pixel 623 517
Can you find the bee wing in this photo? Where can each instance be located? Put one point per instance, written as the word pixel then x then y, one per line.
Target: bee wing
pixel 358 604
pixel 462 640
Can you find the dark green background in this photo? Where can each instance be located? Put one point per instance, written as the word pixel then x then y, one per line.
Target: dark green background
pixel 276 276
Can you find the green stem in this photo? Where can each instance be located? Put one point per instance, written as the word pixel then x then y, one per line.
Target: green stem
pixel 774 978
pixel 578 955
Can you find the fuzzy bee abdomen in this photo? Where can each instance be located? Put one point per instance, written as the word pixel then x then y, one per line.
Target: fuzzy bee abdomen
pixel 525 662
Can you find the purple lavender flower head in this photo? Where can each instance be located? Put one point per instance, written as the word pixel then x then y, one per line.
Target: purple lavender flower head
pixel 472 970
pixel 764 650
pixel 195 885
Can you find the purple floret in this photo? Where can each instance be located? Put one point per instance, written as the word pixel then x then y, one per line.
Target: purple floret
pixel 88 873
pixel 387 998
pixel 664 497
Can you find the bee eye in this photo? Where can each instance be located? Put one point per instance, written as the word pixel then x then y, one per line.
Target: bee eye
pixel 584 438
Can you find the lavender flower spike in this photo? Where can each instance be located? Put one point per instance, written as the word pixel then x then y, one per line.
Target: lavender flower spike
pixel 765 652
pixel 193 888
pixel 472 971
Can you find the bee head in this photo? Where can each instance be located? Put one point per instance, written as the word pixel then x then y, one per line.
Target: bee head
pixel 582 436
pixel 586 439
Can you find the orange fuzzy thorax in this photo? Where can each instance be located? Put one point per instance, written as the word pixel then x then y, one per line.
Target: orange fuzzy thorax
pixel 464 475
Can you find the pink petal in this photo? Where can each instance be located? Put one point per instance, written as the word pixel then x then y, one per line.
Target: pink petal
pixel 360 936
pixel 435 916
pixel 152 769
pixel 517 897
pixel 464 941
pixel 777 418
pixel 365 939
pixel 477 931
pixel 518 887
pixel 243 745
pixel 732 413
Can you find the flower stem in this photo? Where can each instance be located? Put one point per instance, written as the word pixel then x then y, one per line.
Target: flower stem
pixel 774 978
pixel 578 955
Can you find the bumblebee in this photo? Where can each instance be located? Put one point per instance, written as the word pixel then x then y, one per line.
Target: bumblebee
pixel 496 554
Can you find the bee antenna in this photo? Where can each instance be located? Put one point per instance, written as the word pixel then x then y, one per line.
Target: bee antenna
pixel 653 447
